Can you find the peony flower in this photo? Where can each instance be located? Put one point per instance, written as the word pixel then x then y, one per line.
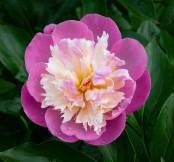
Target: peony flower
pixel 84 79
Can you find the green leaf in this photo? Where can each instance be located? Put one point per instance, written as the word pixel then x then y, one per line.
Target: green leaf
pixel 13 131
pixel 135 21
pixel 162 82
pixel 137 144
pixel 6 75
pixel 171 158
pixel 106 153
pixel 10 102
pixel 131 119
pixel 66 11
pixel 125 151
pixel 162 141
pixel 120 150
pixel 90 150
pixel 13 43
pixel 148 29
pixel 5 86
pixel 34 15
pixel 115 14
pixel 134 35
pixel 167 27
pixel 166 11
pixel 143 8
pixel 94 6
pixel 45 152
pixel 167 42
pixel 162 160
pixel 14 13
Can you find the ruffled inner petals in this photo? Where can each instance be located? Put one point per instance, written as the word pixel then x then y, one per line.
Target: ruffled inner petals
pixel 85 82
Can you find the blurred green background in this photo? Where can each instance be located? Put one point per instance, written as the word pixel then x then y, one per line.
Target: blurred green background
pixel 149 132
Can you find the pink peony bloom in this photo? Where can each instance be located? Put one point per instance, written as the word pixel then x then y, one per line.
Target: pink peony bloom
pixel 84 79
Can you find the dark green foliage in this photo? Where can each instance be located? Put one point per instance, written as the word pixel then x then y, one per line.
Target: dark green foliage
pixel 47 151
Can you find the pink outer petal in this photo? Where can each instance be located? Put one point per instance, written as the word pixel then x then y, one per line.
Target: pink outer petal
pixel 97 24
pixel 38 50
pixel 32 108
pixel 77 129
pixel 49 28
pixel 129 90
pixel 33 83
pixel 134 55
pixel 71 29
pixel 53 120
pixel 141 93
pixel 113 130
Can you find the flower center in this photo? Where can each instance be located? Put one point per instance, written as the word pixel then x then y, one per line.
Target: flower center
pixel 83 82
pixel 86 84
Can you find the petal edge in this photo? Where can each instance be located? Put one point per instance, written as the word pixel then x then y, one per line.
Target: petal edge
pixel 71 29
pixel 114 128
pixel 38 50
pixel 97 24
pixel 32 108
pixel 143 85
pixel 134 55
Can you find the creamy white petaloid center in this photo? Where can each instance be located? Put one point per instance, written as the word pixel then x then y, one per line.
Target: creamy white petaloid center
pixel 83 81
